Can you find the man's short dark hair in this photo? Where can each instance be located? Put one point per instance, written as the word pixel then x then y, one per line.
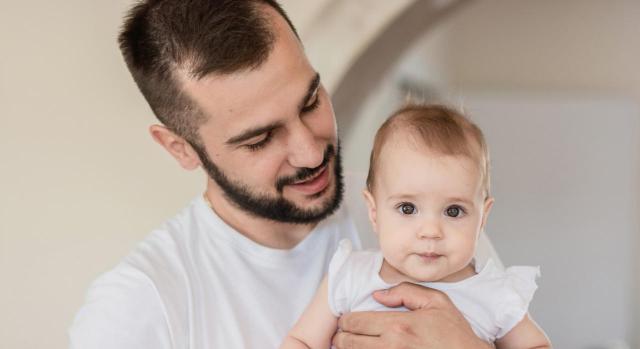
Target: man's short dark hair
pixel 197 37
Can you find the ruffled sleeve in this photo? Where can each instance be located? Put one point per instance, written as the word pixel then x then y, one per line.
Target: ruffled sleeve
pixel 339 278
pixel 521 281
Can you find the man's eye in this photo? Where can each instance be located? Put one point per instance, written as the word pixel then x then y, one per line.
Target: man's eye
pixel 313 105
pixel 260 144
pixel 407 208
pixel 454 211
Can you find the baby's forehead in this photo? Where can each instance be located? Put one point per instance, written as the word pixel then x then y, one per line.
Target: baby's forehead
pixel 434 130
pixel 403 152
pixel 421 176
pixel 405 137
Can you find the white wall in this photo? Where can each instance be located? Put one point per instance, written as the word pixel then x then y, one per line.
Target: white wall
pixel 565 175
pixel 555 86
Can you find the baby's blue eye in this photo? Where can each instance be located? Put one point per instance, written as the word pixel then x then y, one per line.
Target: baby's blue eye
pixel 454 211
pixel 407 208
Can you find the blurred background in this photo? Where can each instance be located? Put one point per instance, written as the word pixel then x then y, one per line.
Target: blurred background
pixel 554 84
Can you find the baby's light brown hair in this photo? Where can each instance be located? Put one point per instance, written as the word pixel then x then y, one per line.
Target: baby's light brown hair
pixel 441 130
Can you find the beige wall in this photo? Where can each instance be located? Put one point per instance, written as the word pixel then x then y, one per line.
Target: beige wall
pixel 589 45
pixel 78 169
pixel 81 180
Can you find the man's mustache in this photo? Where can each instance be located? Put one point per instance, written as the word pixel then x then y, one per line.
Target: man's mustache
pixel 306 173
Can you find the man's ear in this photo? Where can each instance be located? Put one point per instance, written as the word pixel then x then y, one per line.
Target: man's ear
pixel 488 204
pixel 177 146
pixel 371 206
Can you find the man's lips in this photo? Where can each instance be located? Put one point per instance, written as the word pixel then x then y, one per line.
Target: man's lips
pixel 313 185
pixel 310 178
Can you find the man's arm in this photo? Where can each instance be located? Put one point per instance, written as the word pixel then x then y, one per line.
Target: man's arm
pixel 433 323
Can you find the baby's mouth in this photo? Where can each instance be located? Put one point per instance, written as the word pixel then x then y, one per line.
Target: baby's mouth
pixel 429 256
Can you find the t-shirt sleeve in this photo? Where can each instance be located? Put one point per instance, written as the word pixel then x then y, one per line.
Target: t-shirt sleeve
pixel 122 310
pixel 521 283
pixel 338 276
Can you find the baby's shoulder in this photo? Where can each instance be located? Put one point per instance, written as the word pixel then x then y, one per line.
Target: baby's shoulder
pixel 517 281
pixel 349 262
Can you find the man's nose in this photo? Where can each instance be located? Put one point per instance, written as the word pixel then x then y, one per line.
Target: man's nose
pixel 304 149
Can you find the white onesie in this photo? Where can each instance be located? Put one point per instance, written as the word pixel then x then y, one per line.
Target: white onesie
pixel 493 301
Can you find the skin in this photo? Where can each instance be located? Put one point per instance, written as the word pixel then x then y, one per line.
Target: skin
pixel 428 210
pixel 272 94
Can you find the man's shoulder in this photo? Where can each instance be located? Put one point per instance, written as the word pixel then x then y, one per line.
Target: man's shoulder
pixel 169 248
pixel 119 303
pixel 144 293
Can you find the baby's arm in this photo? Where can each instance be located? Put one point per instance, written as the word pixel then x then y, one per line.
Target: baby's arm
pixel 525 335
pixel 316 326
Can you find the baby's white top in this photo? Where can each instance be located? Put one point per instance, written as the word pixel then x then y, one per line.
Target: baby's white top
pixel 493 301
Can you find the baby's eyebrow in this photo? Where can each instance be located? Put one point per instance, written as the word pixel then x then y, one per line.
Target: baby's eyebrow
pixel 401 197
pixel 462 200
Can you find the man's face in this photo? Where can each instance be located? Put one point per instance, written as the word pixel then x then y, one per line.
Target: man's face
pixel 270 143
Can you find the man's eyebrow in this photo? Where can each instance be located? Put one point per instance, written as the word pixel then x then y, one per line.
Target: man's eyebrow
pixel 256 131
pixel 313 87
pixel 253 132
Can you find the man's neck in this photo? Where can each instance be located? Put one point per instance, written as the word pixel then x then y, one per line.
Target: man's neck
pixel 262 231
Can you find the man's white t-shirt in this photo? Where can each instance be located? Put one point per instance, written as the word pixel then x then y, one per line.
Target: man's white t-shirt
pixel 198 283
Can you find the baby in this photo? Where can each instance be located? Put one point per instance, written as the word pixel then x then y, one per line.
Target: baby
pixel 428 199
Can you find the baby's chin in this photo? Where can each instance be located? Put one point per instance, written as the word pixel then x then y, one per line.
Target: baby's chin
pixel 455 276
pixel 412 276
pixel 432 272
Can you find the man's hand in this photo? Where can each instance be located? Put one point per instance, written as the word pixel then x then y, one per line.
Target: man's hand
pixel 433 323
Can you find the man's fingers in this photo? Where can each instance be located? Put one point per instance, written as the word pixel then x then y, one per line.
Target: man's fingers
pixel 370 323
pixel 344 340
pixel 412 296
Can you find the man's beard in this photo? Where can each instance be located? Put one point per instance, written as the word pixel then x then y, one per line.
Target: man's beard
pixel 276 207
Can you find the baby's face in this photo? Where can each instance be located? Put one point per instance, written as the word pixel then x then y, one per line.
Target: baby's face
pixel 428 210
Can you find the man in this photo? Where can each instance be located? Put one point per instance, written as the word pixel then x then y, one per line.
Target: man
pixel 237 96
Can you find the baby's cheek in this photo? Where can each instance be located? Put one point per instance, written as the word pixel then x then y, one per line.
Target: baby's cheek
pixel 467 248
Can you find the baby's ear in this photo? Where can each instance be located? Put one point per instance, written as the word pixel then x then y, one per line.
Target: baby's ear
pixel 371 206
pixel 488 204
